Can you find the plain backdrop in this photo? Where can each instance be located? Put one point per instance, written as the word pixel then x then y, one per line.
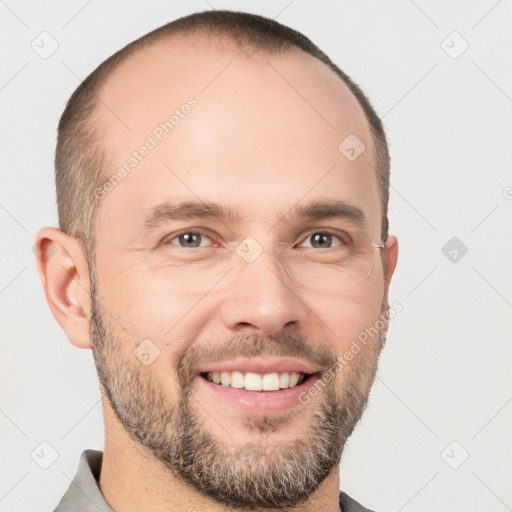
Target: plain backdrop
pixel 436 434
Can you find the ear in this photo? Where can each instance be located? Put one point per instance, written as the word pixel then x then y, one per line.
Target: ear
pixel 64 272
pixel 391 256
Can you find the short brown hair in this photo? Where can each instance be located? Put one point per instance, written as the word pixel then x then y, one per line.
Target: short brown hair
pixel 81 160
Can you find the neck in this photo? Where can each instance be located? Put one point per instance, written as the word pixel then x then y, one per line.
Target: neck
pixel 132 479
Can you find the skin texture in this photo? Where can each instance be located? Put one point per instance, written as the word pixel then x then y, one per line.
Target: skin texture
pixel 257 145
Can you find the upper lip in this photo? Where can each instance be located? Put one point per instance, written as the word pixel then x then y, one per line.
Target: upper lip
pixel 259 365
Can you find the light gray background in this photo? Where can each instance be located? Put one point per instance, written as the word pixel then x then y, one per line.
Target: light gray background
pixel 445 373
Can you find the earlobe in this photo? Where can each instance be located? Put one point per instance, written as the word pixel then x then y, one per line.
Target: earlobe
pixel 64 272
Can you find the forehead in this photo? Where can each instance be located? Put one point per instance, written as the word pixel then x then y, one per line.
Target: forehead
pixel 220 125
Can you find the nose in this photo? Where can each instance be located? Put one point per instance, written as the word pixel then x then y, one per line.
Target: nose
pixel 262 299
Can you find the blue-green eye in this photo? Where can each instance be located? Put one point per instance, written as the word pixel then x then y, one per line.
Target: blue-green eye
pixel 324 240
pixel 190 240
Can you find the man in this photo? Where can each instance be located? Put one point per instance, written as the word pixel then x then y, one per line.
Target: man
pixel 222 192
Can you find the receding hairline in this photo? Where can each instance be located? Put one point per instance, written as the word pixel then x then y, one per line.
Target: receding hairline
pixel 203 38
pixel 194 33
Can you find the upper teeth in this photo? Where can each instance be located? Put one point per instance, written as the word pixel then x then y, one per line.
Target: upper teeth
pixel 256 381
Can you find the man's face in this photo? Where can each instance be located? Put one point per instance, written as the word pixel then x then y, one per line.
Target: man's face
pixel 260 292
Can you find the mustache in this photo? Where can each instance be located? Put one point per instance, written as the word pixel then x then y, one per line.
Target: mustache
pixel 251 346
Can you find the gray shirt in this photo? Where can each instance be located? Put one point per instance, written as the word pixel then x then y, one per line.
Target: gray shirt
pixel 84 494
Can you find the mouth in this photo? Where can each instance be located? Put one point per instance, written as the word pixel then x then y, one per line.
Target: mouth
pixel 258 386
pixel 250 381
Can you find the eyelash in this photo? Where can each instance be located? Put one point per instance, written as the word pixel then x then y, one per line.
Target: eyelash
pixel 311 233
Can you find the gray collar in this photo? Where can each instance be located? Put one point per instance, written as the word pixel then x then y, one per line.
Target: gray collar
pixel 84 495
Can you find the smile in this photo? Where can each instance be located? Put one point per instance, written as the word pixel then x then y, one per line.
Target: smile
pixel 256 382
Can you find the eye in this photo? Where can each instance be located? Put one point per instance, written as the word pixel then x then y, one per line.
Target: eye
pixel 189 240
pixel 324 240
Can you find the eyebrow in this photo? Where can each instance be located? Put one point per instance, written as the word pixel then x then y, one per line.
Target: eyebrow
pixel 324 210
pixel 187 210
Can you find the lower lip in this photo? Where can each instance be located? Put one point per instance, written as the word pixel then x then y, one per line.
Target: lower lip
pixel 262 402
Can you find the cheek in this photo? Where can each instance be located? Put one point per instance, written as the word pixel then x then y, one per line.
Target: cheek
pixel 155 306
pixel 349 315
